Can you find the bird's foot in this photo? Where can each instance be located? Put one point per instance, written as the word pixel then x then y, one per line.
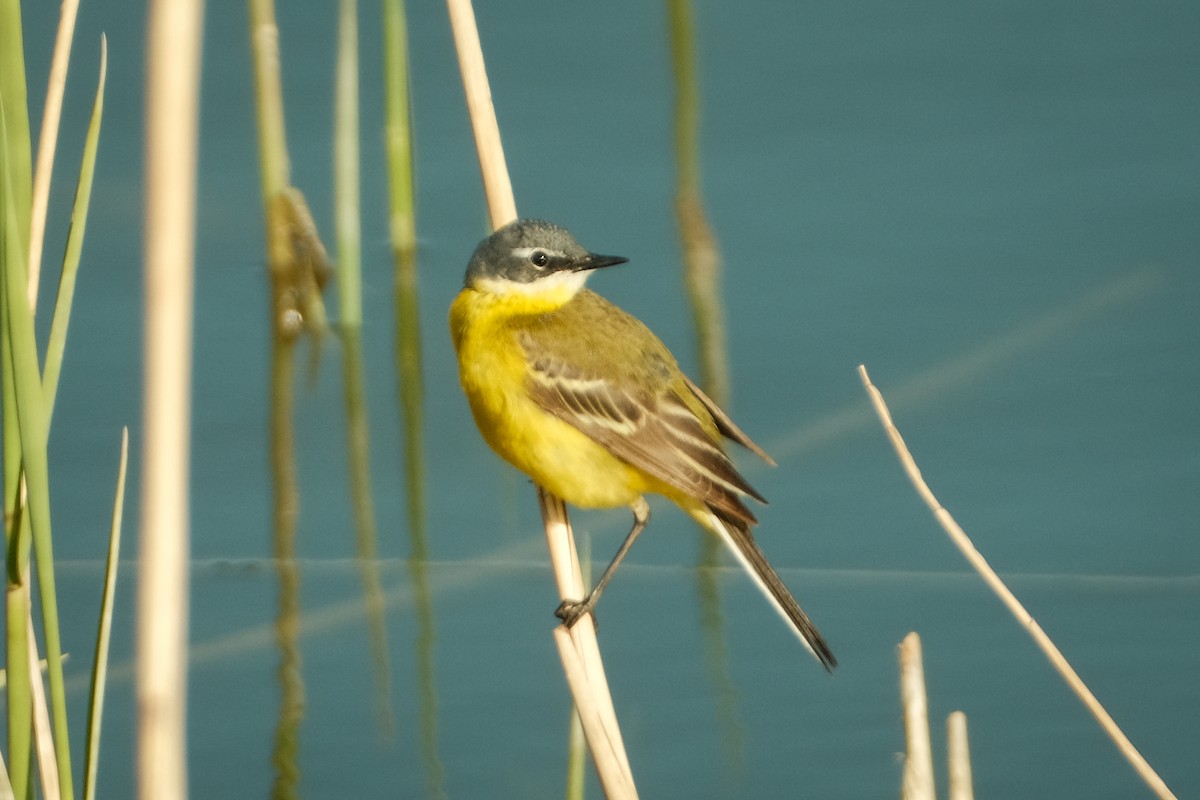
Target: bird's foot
pixel 570 611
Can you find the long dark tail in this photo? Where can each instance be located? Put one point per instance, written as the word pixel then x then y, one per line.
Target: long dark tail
pixel 738 539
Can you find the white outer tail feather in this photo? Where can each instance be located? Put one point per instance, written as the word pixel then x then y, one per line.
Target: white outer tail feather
pixel 717 526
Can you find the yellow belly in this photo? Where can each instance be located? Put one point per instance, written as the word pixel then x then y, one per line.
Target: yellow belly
pixel 554 454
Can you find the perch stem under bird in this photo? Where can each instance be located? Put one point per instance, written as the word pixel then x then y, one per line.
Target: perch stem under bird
pixel 586 400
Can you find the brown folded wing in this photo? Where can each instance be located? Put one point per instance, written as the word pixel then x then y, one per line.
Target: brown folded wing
pixel 659 432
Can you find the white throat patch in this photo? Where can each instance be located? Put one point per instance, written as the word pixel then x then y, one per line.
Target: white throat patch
pixel 562 283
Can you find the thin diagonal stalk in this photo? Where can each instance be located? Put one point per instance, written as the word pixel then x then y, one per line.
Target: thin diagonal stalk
pixel 960 539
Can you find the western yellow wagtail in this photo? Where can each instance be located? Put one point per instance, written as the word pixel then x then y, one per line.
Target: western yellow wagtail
pixel 586 401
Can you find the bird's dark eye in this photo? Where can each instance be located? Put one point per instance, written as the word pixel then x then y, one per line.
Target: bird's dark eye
pixel 539 258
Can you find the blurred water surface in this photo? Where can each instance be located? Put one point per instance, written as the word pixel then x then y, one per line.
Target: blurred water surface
pixel 994 206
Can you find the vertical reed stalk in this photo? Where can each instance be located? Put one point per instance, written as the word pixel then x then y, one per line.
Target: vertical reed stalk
pixel 291 238
pixel 15 188
pixel 918 757
pixel 347 210
pixel 402 228
pixel 577 646
pixel 702 280
pixel 16 516
pixel 701 253
pixel 172 92
pixel 14 112
pixel 410 382
pixel 349 243
pixel 958 757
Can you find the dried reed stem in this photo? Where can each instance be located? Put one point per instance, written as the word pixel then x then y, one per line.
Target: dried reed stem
pixel 497 187
pixel 173 80
pixel 958 757
pixel 918 761
pixel 577 646
pixel 963 542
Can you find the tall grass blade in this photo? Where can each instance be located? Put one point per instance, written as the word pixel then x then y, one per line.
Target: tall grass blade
pixel 15 181
pixel 48 141
pixel 17 603
pixel 70 266
pixel 32 423
pixel 91 758
pixel 11 257
pixel 15 113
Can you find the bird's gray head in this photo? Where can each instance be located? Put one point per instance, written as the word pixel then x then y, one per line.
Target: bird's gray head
pixel 530 255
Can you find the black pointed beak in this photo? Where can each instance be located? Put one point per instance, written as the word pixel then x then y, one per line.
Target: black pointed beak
pixel 595 261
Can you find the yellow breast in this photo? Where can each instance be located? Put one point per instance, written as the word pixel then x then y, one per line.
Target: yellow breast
pixel 493 371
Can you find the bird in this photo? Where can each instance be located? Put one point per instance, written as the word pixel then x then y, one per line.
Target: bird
pixel 584 399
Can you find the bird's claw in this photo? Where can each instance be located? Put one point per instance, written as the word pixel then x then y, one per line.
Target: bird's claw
pixel 570 611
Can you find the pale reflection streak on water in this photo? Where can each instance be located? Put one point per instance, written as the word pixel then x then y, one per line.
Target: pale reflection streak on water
pixel 527 555
pixel 961 371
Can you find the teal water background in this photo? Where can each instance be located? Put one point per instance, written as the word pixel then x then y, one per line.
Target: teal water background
pixel 995 207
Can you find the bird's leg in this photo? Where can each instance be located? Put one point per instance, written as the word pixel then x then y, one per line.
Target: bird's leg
pixel 569 611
